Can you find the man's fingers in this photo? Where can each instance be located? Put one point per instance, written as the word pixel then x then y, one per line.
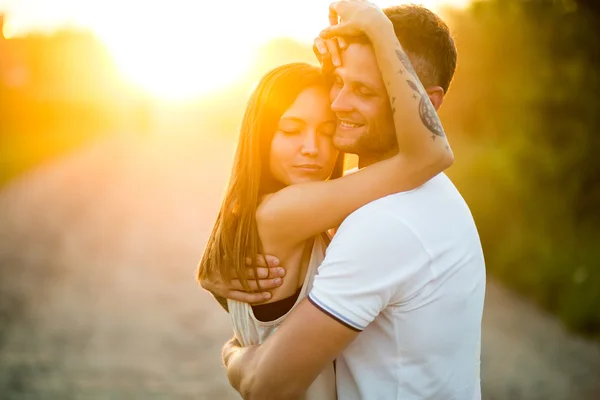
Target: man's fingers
pixel 323 56
pixel 265 284
pixel 342 44
pixel 262 273
pixel 264 261
pixel 320 47
pixel 334 53
pixel 250 298
pixel 343 29
pixel 259 261
pixel 333 14
pixel 322 53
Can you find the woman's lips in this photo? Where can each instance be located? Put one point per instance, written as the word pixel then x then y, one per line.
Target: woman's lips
pixel 309 167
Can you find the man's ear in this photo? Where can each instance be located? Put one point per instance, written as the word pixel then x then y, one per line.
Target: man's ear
pixel 436 95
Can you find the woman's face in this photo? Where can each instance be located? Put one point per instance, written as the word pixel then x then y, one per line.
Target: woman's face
pixel 302 148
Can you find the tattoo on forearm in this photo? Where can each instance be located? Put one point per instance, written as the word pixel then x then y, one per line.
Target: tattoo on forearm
pixel 426 111
pixel 429 117
pixel 414 87
pixel 405 62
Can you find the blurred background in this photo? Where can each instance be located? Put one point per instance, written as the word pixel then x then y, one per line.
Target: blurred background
pixel 118 122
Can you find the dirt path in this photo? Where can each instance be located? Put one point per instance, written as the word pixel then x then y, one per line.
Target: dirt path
pixel 98 299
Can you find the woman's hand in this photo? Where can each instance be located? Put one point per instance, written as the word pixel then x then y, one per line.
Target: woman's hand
pixel 270 276
pixel 353 18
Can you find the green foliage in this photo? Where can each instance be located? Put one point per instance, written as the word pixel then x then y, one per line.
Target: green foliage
pixel 526 157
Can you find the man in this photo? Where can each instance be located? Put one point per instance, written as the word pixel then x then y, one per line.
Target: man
pixel 398 300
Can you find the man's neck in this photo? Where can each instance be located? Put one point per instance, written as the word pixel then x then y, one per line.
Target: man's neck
pixel 364 160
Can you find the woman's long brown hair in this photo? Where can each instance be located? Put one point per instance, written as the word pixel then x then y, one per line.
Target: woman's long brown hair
pixel 235 236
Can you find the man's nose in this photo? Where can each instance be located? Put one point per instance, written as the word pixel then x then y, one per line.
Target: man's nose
pixel 341 102
pixel 309 145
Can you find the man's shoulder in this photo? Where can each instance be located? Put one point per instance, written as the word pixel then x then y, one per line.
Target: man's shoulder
pixel 417 211
pixel 403 203
pixel 375 223
pixel 370 215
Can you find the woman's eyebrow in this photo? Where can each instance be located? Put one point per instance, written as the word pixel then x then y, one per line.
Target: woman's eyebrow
pixel 293 119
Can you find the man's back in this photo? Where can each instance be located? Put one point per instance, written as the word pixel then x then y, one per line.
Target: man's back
pixel 408 271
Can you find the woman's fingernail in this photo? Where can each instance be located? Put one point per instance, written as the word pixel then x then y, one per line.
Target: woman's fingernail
pixel 267 295
pixel 275 262
pixel 277 281
pixel 280 271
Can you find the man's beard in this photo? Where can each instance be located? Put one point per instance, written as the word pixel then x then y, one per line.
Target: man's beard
pixel 373 142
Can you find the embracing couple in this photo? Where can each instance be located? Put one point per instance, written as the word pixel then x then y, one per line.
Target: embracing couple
pixel 384 281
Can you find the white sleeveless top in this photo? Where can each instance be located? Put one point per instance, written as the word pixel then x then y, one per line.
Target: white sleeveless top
pixel 249 330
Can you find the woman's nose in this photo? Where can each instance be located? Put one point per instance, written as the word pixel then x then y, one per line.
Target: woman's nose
pixel 309 151
pixel 309 146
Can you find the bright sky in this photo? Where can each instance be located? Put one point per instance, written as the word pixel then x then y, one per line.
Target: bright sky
pixel 184 33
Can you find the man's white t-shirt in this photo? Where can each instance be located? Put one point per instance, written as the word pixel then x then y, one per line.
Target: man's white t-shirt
pixel 407 271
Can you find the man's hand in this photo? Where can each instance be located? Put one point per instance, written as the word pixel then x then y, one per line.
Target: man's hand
pixel 229 348
pixel 353 18
pixel 287 363
pixel 346 18
pixel 270 276
pixel 328 52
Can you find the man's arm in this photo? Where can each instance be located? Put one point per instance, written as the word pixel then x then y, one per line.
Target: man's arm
pixel 289 361
pixel 412 107
pixel 361 275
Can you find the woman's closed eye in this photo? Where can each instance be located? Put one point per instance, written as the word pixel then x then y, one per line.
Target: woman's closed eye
pixel 289 128
pixel 289 132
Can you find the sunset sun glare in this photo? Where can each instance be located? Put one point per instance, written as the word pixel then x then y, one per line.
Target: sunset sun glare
pixel 181 49
pixel 178 54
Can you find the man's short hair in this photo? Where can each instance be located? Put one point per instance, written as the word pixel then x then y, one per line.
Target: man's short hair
pixel 427 42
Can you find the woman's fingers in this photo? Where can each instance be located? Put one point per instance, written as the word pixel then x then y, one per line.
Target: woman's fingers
pixel 251 298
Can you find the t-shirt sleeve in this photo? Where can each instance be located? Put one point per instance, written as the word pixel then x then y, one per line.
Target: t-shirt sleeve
pixel 374 260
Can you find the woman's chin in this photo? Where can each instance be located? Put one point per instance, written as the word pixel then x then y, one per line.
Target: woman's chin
pixel 304 178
